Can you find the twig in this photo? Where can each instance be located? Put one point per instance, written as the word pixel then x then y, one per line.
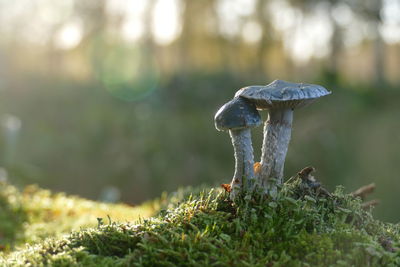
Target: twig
pixel 364 191
pixel 369 204
pixel 304 174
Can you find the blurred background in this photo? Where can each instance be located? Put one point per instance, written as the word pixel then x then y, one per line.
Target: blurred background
pixel 114 99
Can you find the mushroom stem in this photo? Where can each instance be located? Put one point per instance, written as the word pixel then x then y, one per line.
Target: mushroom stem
pixel 243 178
pixel 277 132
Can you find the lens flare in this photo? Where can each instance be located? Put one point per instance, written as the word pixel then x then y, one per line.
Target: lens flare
pixel 128 72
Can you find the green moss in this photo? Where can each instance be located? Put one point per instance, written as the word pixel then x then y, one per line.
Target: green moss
pixel 300 227
pixel 35 214
pixel 12 217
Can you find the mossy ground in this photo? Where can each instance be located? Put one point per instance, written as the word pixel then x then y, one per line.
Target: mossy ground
pixel 34 214
pixel 301 226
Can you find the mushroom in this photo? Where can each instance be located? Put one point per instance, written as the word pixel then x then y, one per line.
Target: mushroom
pixel 280 98
pixel 238 116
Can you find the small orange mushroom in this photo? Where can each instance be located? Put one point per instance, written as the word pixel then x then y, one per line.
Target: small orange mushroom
pixel 257 168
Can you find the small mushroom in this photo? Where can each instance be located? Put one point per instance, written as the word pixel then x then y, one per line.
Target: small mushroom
pixel 280 98
pixel 238 116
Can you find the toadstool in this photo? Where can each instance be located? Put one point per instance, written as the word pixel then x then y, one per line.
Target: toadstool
pixel 238 116
pixel 280 98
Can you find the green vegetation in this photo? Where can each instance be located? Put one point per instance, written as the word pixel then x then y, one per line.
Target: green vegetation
pixel 12 216
pixel 34 214
pixel 303 226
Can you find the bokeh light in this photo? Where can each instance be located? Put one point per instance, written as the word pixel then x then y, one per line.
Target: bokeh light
pixel 126 72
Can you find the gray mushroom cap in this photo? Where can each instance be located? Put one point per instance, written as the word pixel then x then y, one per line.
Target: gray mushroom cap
pixel 282 94
pixel 239 113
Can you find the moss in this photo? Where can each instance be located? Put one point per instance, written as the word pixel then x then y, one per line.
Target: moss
pixel 12 217
pixel 35 214
pixel 299 227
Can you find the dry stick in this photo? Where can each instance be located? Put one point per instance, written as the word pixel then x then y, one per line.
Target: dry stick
pixel 304 174
pixel 364 191
pixel 369 204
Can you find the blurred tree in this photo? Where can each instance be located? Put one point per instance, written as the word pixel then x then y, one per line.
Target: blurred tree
pixel 188 30
pixel 263 44
pixel 370 11
pixel 215 35
pixel 94 19
pixel 336 41
pixel 148 48
pixel 148 36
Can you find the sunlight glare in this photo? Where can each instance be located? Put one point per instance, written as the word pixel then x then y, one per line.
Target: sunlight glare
pixel 252 32
pixel 342 14
pixel 33 21
pixel 69 36
pixel 132 13
pixel 391 33
pixel 166 24
pixel 353 35
pixel 282 15
pixel 127 7
pixel 230 13
pixel 390 29
pixel 132 30
pixel 304 36
pixel 311 38
pixel 243 7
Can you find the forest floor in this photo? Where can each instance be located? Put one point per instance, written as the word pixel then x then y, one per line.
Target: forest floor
pixel 304 225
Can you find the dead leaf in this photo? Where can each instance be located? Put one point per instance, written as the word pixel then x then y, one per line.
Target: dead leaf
pixel 227 187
